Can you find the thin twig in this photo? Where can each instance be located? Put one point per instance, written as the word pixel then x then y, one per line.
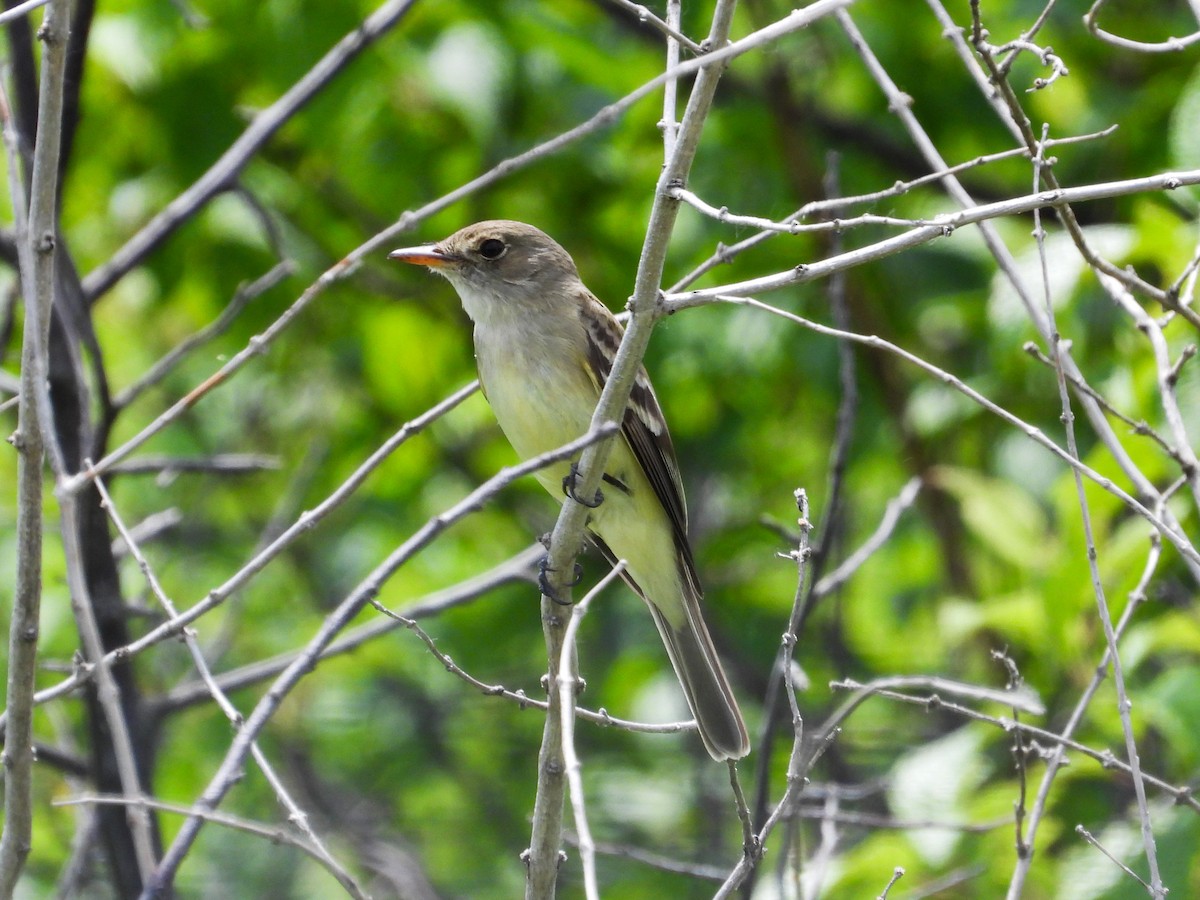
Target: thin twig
pixel 516 568
pixel 223 174
pixel 1167 376
pixel 1142 427
pixel 669 29
pixel 897 874
pixel 704 871
pixel 800 604
pixel 670 119
pixel 1021 698
pixel 568 685
pixel 229 771
pixel 887 524
pixel 241 299
pixel 273 834
pixel 886 688
pixel 1179 540
pixel 21 9
pixel 295 814
pixel 818 863
pixel 1087 836
pixel 872 820
pixel 220 463
pixel 1170 45
pixel 522 699
pixel 750 845
pixel 1057 757
pixel 306 522
pixel 940 226
pixel 839 453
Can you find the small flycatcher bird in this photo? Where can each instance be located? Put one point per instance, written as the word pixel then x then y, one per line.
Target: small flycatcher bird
pixel 545 347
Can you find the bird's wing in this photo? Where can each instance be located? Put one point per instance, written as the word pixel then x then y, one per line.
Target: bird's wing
pixel 644 427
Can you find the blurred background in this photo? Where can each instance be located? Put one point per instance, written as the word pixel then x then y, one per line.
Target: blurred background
pixel 423 786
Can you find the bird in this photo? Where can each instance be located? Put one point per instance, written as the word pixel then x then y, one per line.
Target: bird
pixel 544 348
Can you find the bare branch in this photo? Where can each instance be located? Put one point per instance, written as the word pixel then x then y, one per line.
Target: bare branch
pixel 891 517
pixel 221 463
pixel 705 871
pixel 37 239
pixel 222 175
pixel 887 688
pixel 567 685
pixel 939 226
pixel 240 578
pixel 20 10
pixel 1178 539
pixel 271 833
pixel 1087 836
pixel 1140 427
pixel 107 692
pixel 1167 376
pixel 1057 758
pixel 228 773
pixel 1170 45
pixel 295 815
pixel 241 298
pixel 522 699
pixel 515 568
pixel 897 874
pixel 669 30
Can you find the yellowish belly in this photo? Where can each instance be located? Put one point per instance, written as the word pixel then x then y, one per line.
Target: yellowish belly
pixel 540 408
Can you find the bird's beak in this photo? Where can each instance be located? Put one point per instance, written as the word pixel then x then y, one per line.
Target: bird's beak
pixel 426 255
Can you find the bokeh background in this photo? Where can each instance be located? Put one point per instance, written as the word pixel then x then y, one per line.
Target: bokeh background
pixel 408 772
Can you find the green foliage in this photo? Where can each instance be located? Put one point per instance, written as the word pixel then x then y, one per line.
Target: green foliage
pixel 383 746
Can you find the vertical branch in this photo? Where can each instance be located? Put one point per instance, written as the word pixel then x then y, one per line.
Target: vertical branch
pixel 37 275
pixel 669 124
pixel 1068 419
pixel 1168 376
pixel 230 770
pixel 122 754
pixel 567 538
pixel 567 688
pixel 900 104
pixel 545 842
pixel 812 561
pixel 1057 757
pixel 800 605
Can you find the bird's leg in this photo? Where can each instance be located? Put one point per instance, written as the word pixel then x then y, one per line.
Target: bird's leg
pixel 568 486
pixel 544 583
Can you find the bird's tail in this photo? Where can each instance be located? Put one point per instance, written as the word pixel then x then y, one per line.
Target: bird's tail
pixel 704 684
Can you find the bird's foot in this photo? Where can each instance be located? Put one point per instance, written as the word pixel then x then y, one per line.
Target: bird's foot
pixel 544 583
pixel 568 485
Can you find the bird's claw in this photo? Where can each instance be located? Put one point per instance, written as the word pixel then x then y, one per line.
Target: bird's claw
pixel 568 486
pixel 544 583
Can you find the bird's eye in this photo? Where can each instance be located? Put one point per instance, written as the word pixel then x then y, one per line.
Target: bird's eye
pixel 492 248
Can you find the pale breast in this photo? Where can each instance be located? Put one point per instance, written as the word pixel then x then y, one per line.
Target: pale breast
pixel 537 387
